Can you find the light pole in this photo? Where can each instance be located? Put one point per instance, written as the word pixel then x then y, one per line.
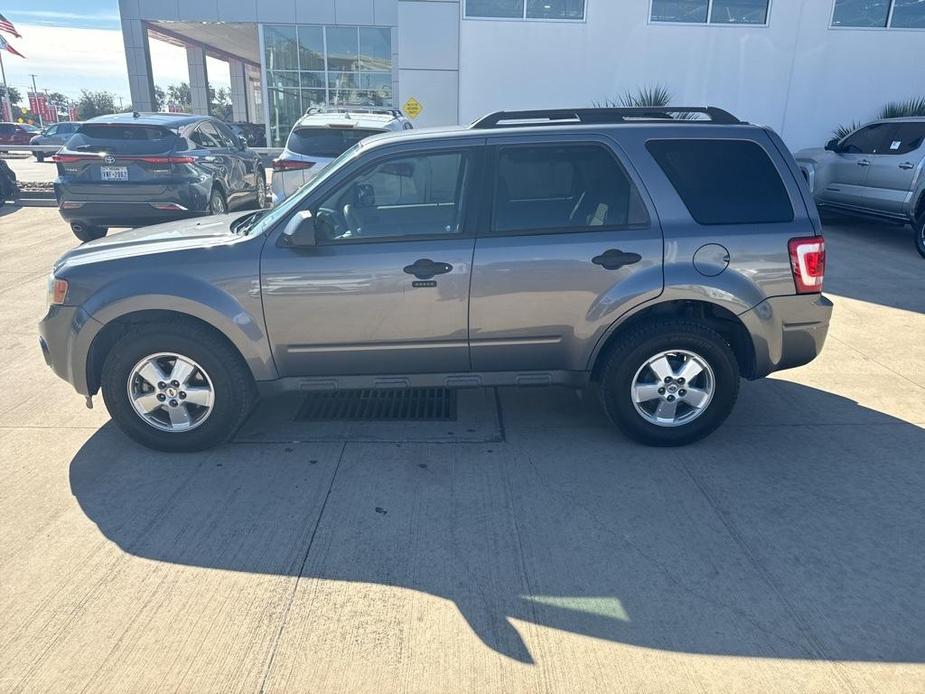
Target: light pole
pixel 36 93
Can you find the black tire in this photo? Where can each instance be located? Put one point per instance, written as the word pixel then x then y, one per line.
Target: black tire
pixel 919 233
pixel 86 233
pixel 261 197
pixel 232 384
pixel 217 202
pixel 635 348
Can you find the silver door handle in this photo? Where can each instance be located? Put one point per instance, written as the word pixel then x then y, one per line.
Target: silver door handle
pixel 907 165
pixel 864 162
pixel 210 159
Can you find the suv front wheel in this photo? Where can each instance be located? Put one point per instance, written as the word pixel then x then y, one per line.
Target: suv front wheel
pixel 176 387
pixel 670 383
pixel 919 229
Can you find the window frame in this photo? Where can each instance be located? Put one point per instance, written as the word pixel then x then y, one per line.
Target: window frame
pixel 476 18
pixel 889 22
pixel 473 152
pixel 486 224
pixel 708 23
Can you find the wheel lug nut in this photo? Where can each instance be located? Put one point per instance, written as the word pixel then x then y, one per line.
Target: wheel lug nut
pixel 682 392
pixel 667 379
pixel 661 391
pixel 182 394
pixel 175 383
pixel 174 403
pixel 161 385
pixel 161 397
pixel 680 381
pixel 671 398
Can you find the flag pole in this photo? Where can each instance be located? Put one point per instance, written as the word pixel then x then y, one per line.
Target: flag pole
pixel 7 104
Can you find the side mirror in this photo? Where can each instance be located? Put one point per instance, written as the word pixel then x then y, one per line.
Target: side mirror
pixel 832 145
pixel 300 231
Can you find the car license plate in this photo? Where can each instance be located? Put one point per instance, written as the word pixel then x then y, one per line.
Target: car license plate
pixel 114 173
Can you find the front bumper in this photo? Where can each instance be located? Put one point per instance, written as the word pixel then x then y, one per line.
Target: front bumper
pixel 65 336
pixel 787 331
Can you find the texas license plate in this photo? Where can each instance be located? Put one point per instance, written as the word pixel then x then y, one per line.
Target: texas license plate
pixel 114 173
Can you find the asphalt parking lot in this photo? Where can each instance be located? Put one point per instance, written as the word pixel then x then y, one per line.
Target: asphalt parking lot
pixel 525 547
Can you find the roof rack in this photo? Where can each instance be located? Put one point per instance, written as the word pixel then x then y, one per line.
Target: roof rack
pixel 355 108
pixel 570 116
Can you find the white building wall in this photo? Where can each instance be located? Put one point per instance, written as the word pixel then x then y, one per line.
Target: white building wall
pixel 796 74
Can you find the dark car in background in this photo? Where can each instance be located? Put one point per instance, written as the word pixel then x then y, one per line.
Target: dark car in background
pixel 17 133
pixel 132 169
pixel 254 134
pixel 54 134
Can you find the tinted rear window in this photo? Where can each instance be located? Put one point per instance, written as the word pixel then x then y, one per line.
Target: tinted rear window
pixel 126 139
pixel 326 142
pixel 724 181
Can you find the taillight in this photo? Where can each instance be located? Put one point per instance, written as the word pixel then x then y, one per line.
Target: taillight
pixel 291 164
pixel 807 261
pixel 71 158
pixel 57 290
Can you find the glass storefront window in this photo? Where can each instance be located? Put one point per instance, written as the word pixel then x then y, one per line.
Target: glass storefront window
pixel 312 66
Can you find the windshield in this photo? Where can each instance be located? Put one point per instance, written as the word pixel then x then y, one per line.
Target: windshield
pixel 270 217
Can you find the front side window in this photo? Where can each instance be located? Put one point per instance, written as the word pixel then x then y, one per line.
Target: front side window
pixel 398 198
pixel 905 14
pixel 567 188
pixel 710 11
pixel 724 181
pixel 871 139
pixel 526 9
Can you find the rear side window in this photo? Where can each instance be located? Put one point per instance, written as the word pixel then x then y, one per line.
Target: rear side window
pixel 326 142
pixel 566 188
pixel 907 137
pixel 724 181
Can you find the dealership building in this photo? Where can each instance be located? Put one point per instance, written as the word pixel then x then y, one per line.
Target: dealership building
pixel 801 66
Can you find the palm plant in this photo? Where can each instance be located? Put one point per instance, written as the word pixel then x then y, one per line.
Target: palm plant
pixel 843 131
pixel 904 109
pixel 657 95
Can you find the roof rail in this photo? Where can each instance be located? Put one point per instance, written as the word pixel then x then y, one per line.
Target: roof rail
pixel 569 116
pixel 355 108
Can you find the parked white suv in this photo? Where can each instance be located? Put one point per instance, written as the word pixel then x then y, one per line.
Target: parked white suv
pixel 322 135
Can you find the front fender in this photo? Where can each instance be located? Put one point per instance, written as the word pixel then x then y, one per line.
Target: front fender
pixel 241 321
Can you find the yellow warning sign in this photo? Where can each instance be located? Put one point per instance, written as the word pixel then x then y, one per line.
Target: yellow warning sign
pixel 412 108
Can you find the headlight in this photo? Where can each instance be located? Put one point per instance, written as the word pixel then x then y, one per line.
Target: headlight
pixel 57 290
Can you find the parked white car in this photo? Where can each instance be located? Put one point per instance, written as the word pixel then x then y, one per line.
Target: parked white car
pixel 322 135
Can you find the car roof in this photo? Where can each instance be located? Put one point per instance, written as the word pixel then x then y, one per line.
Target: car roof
pixel 359 119
pixel 167 120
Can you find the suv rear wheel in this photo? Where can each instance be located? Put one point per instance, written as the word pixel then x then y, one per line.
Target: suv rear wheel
pixel 919 229
pixel 85 232
pixel 217 204
pixel 176 387
pixel 670 383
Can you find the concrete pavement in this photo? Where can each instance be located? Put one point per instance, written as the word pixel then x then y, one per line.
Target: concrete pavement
pixel 533 549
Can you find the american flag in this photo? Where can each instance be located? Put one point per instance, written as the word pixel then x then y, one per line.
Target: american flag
pixel 5 46
pixel 7 26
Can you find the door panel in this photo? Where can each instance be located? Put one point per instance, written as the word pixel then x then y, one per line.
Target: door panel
pixel 890 180
pixel 386 291
pixel 351 308
pixel 540 303
pixel 542 295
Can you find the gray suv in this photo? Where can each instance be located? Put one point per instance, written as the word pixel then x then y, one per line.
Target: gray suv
pixel 876 171
pixel 658 259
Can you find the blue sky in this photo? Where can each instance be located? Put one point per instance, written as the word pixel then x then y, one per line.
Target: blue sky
pixel 78 45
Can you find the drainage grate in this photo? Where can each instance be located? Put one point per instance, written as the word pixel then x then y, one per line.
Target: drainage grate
pixel 412 404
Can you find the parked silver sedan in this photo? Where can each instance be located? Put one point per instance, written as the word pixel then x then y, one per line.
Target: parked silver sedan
pixel 876 171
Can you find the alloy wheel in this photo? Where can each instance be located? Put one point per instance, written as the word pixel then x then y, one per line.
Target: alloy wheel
pixel 673 388
pixel 170 392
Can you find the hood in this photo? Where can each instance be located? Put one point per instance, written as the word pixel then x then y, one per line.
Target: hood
pixel 160 238
pixel 813 153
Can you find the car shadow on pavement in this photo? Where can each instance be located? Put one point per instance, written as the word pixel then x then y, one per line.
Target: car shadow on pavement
pixel 770 539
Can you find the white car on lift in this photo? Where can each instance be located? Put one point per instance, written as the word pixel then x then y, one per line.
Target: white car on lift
pixel 322 135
